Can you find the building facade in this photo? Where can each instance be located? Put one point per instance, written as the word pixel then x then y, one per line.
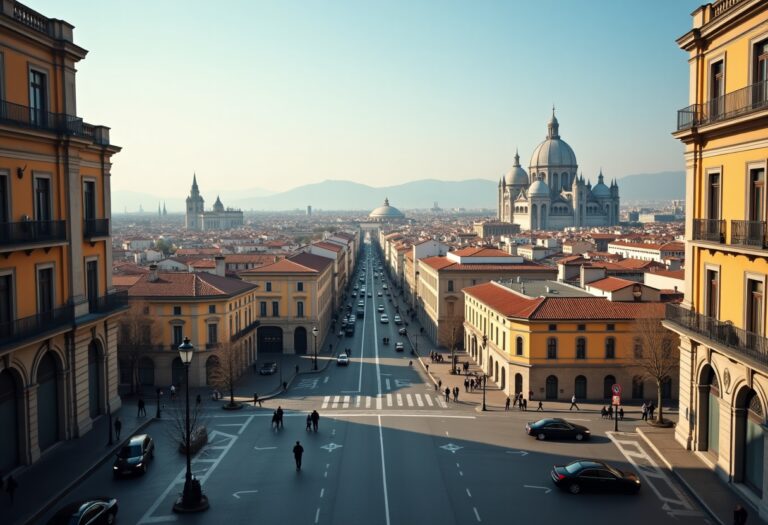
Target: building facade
pixel 722 322
pixel 58 309
pixel 219 218
pixel 555 196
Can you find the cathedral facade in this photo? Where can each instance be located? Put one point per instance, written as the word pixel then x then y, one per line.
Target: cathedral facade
pixel 219 218
pixel 555 196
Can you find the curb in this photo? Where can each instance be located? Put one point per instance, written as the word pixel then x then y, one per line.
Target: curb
pixel 31 520
pixel 690 489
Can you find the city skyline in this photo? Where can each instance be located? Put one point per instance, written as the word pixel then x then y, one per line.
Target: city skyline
pixel 375 94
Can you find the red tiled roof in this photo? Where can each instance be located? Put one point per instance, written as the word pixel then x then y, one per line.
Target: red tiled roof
pixel 203 263
pixel 183 284
pixel 310 260
pixel 571 259
pixel 328 246
pixel 198 251
pixel 481 252
pixel 611 284
pixel 674 274
pixel 281 266
pixel 125 281
pixel 441 263
pixel 247 258
pixel 504 300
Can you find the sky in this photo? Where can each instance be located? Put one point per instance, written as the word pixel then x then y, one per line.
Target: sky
pixel 277 94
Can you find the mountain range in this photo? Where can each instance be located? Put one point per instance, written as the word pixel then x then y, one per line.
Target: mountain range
pixel 419 194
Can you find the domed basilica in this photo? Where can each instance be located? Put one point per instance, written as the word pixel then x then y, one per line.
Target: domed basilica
pixel 555 196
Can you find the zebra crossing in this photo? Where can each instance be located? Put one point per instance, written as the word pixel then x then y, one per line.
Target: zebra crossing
pixel 384 401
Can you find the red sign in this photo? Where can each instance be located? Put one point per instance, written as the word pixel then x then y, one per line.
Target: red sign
pixel 616 389
pixel 616 401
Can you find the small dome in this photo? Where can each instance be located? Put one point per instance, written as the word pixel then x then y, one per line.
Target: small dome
pixel 600 190
pixel 386 212
pixel 218 206
pixel 517 175
pixel 539 188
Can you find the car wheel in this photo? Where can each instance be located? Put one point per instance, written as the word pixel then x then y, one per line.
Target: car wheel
pixel 110 518
pixel 541 436
pixel 579 437
pixel 574 488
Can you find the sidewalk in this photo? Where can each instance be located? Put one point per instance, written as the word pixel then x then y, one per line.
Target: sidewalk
pixel 697 477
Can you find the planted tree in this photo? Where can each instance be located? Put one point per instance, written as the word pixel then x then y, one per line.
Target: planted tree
pixel 658 354
pixel 229 365
pixel 137 335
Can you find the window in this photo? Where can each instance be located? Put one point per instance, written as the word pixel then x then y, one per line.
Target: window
pixel 38 98
pixel 211 308
pixel 89 200
pixel 213 333
pixel 712 293
pixel 519 346
pixel 299 286
pixel 6 304
pixel 610 327
pixel 637 348
pixel 299 308
pixel 177 310
pixel 43 199
pixel 5 202
pixel 754 306
pixel 637 387
pixel 275 309
pixel 756 195
pixel 268 285
pixel 552 348
pixel 450 285
pixel 582 327
pixel 178 337
pixel 610 348
pixel 581 348
pixel 92 283
pixel 716 88
pixel 45 290
pixel 761 71
pixel 263 308
pixel 713 196
pixel 553 328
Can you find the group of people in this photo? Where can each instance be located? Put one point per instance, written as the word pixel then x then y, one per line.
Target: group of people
pixel 313 419
pixel 647 410
pixel 455 393
pixel 436 357
pixel 519 401
pixel 607 413
pixel 277 418
pixel 470 383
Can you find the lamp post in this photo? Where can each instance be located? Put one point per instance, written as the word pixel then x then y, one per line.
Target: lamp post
pixel 192 498
pixel 453 348
pixel 485 376
pixel 314 363
pixel 158 392
pixel 109 424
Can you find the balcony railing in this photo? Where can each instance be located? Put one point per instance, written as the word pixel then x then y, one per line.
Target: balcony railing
pixel 61 123
pixel 95 228
pixel 31 18
pixel 734 104
pixel 748 233
pixel 743 342
pixel 712 230
pixel 19 330
pixel 32 232
pixel 245 330
pixel 109 303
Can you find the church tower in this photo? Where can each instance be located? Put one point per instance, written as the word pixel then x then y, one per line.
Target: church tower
pixel 195 207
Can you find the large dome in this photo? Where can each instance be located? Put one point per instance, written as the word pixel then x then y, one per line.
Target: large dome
pixel 386 212
pixel 517 175
pixel 553 152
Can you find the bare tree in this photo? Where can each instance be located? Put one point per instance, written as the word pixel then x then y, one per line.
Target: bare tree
pixel 230 363
pixel 177 430
pixel 457 334
pixel 138 333
pixel 658 355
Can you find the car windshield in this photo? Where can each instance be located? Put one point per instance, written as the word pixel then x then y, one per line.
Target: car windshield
pixel 130 451
pixel 573 468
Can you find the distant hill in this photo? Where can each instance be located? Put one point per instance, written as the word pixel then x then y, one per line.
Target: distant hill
pixel 660 186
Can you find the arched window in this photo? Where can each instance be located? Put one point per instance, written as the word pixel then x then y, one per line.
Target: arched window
pixel 637 348
pixel 552 348
pixel 581 348
pixel 610 348
pixel 519 346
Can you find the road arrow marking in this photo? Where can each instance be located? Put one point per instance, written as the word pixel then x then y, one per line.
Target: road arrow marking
pixel 521 452
pixel 264 448
pixel 546 490
pixel 237 494
pixel 450 447
pixel 330 447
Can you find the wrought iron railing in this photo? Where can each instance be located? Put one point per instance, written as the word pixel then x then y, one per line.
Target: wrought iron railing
pixel 36 118
pixel 743 101
pixel 95 228
pixel 19 330
pixel 245 330
pixel 748 233
pixel 749 344
pixel 712 230
pixel 32 232
pixel 109 303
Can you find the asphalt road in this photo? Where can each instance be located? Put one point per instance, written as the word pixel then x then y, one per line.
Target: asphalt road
pixel 389 451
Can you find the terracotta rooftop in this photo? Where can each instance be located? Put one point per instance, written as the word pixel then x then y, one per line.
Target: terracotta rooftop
pixel 441 263
pixel 481 252
pixel 184 284
pixel 328 246
pixel 281 266
pixel 673 274
pixel 310 260
pixel 611 284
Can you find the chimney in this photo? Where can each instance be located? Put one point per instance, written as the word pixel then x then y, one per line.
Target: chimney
pixel 221 267
pixel 153 276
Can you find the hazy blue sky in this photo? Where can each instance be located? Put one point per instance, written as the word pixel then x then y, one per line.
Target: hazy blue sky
pixel 282 93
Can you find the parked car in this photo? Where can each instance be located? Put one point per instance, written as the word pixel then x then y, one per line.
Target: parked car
pixel 90 511
pixel 134 456
pixel 594 476
pixel 556 428
pixel 384 318
pixel 267 369
pixel 398 320
pixel 342 360
pixel 402 331
pixel 399 347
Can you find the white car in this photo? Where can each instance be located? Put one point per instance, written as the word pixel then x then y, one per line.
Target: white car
pixel 398 320
pixel 384 318
pixel 342 360
pixel 384 286
pixel 380 308
pixel 378 294
pixel 370 294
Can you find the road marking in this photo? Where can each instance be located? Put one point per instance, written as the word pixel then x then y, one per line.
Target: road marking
pixel 358 399
pixel 309 384
pixel 477 515
pixel 386 384
pixel 409 399
pixel 447 434
pixel 384 473
pixel 346 401
pixel 247 421
pixel 367 401
pixel 399 400
pixel 450 447
pixel 317 515
pixel 336 400
pixel 237 494
pixel 389 400
pixel 325 380
pixel 325 402
pixel 441 402
pixel 469 493
pixel 461 473
pixel 330 447
pixel 523 453
pixel 546 490
pixel 264 448
pixel 419 402
pixel 428 399
pixel 379 401
pixel 322 491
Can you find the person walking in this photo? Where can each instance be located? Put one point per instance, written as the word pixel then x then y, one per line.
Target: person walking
pixel 644 410
pixel 315 420
pixel 651 409
pixel 466 384
pixel 525 405
pixel 621 413
pixel 298 451
pixel 604 412
pixel 456 392
pixel 309 422
pixel 274 420
pixel 573 403
pixel 739 515
pixel 285 386
pixel 118 428
pixel 447 394
pixel 11 486
pixel 540 408
pixel 173 392
pixel 439 384
pixel 279 412
pixel 610 411
pixel 142 408
pixel 256 399
pixel 506 404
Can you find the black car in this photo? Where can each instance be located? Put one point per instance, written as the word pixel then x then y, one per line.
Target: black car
pixel 402 331
pixel 87 512
pixel 268 369
pixel 594 476
pixel 556 428
pixel 134 456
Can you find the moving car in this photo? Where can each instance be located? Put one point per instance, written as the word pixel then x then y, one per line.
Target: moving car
pixel 267 369
pixel 402 331
pixel 370 294
pixel 342 360
pixel 398 320
pixel 360 304
pixel 399 347
pixel 90 511
pixel 384 286
pixel 594 476
pixel 384 318
pixel 378 294
pixel 134 456
pixel 380 308
pixel 556 428
pixel 360 313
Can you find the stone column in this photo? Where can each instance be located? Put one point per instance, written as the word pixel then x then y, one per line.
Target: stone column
pixel 687 399
pixel 32 453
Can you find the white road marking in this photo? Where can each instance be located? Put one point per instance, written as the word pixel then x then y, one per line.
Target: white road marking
pixel 418 400
pixel 522 453
pixel 264 448
pixel 452 448
pixel 441 402
pixel 358 399
pixel 386 384
pixel 384 474
pixel 317 515
pixel 469 493
pixel 546 490
pixel 428 399
pixel 378 402
pixel 325 402
pixel 247 422
pixel 476 514
pixel 325 380
pixel 346 401
pixel 461 473
pixel 399 400
pixel 409 399
pixel 367 401
pixel 322 491
pixel 389 400
pixel 237 494
pixel 336 400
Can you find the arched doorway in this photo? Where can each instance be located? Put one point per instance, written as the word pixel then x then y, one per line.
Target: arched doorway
pixel 518 383
pixel 750 440
pixel 177 372
pixel 146 372
pixel 709 411
pixel 47 401
pixel 580 387
pixel 608 382
pixel 551 390
pixel 10 420
pixel 638 387
pixel 270 339
pixel 211 366
pixel 503 378
pixel 300 340
pixel 95 379
pixel 496 371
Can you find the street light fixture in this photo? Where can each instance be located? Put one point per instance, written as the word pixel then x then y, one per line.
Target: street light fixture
pixel 192 498
pixel 314 333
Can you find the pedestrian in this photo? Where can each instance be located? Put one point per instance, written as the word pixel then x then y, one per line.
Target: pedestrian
pixel 520 403
pixel 439 384
pixel 198 400
pixel 621 413
pixel 472 385
pixel 298 451
pixel 466 385
pixel 525 405
pixel 651 409
pixel 297 369
pixel 315 420
pixel 285 386
pixel 255 399
pixel 173 392
pixel 739 515
pixel 573 403
pixel 142 408
pixel 309 422
pixel 506 404
pixel 540 408
pixel 274 420
pixel 279 412
pixel 118 428
pixel 11 486
pixel 456 392
pixel 610 411
pixel 447 394
pixel 604 412
pixel 426 365
pixel 644 410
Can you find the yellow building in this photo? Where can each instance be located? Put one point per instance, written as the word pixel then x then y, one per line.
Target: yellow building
pixel 218 314
pixel 294 296
pixel 557 341
pixel 58 367
pixel 724 350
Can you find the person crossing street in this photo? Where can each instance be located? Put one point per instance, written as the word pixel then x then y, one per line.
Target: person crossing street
pixel 573 403
pixel 298 451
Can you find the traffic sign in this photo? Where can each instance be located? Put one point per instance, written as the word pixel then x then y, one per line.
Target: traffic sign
pixel 616 401
pixel 616 389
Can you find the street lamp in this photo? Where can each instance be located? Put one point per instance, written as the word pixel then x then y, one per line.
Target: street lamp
pixel 485 376
pixel 192 498
pixel 453 348
pixel 314 333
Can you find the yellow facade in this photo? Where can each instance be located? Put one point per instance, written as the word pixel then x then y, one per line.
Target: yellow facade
pixel 722 323
pixel 58 310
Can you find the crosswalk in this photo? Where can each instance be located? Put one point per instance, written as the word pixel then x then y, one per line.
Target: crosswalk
pixel 384 401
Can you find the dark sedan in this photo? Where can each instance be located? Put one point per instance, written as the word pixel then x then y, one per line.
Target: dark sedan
pixel 594 476
pixel 556 428
pixel 134 456
pixel 271 367
pixel 93 511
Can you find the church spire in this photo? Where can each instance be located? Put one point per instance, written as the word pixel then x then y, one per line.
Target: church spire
pixel 517 159
pixel 553 127
pixel 194 181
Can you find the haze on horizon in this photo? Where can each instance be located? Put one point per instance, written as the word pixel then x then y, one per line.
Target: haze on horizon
pixel 276 95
